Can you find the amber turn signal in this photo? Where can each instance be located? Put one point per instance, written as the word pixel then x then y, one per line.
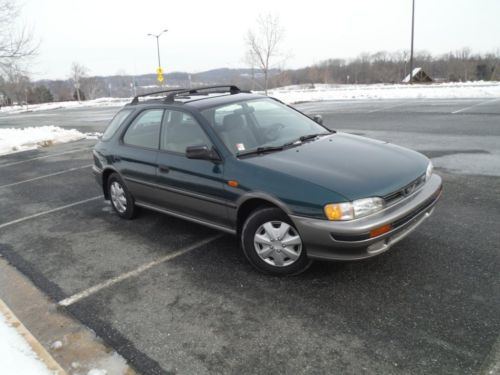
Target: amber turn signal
pixel 233 183
pixel 380 230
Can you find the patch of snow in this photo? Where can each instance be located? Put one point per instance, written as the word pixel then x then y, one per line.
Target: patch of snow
pixel 16 355
pixel 56 345
pixel 95 371
pixel 415 71
pixel 94 135
pixel 101 102
pixel 21 139
pixel 113 364
pixel 450 90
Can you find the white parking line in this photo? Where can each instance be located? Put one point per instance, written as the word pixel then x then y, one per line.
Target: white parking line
pixel 43 157
pixel 96 288
pixel 45 176
pixel 9 223
pixel 475 105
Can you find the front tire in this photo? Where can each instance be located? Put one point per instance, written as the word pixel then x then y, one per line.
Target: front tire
pixel 272 244
pixel 121 199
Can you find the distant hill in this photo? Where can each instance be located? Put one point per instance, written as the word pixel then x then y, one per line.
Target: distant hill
pixel 128 85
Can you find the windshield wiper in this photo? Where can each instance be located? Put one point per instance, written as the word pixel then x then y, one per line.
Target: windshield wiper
pixel 298 141
pixel 311 136
pixel 260 150
pixel 304 138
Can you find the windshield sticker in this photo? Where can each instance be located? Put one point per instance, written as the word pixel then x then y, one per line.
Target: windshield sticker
pixel 240 146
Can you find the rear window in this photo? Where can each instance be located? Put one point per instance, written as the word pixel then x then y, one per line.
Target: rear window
pixel 115 124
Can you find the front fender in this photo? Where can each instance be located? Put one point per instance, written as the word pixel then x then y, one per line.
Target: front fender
pixel 263 196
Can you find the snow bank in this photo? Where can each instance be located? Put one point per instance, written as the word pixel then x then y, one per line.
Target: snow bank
pixel 320 92
pixel 304 93
pixel 101 102
pixel 16 356
pixel 14 140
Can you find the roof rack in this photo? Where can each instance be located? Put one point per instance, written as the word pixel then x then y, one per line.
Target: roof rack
pixel 196 91
pixel 136 98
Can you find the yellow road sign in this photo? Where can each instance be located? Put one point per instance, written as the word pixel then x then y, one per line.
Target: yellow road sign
pixel 159 74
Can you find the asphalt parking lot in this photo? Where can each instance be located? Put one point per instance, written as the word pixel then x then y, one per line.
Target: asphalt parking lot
pixel 175 297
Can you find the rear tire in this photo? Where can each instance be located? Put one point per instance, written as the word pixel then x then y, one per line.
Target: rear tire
pixel 121 199
pixel 272 244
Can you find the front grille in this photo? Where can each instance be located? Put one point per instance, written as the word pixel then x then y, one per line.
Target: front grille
pixel 405 191
pixel 419 209
pixel 395 224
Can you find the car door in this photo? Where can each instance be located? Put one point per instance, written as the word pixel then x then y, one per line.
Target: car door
pixel 136 156
pixel 191 187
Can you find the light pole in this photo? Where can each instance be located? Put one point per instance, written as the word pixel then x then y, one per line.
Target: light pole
pixel 412 33
pixel 157 36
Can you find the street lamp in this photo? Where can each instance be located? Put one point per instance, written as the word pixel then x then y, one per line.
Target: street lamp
pixel 157 36
pixel 412 32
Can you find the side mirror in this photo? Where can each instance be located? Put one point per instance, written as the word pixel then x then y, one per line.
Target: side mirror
pixel 317 118
pixel 202 152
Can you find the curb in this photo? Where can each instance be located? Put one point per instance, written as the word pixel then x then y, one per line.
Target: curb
pixel 38 348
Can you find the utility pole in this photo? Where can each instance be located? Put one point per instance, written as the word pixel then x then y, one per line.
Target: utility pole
pixel 412 34
pixel 159 70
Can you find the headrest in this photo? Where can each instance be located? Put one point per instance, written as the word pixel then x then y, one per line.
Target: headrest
pixel 176 117
pixel 232 122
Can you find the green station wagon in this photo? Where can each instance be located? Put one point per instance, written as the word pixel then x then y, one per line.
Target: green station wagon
pixel 246 164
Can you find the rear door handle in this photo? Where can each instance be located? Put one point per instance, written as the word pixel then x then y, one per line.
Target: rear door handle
pixel 164 168
pixel 116 158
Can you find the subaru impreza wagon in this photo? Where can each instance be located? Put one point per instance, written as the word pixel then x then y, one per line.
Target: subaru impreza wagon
pixel 246 164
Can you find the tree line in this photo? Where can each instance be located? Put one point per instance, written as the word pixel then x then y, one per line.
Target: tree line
pixel 386 67
pixel 265 53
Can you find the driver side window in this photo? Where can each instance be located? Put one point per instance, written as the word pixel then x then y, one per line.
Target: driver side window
pixel 180 130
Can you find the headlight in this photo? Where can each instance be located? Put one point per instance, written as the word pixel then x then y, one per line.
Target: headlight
pixel 428 172
pixel 353 210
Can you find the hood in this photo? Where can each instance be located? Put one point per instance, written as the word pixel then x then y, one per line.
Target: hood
pixel 355 167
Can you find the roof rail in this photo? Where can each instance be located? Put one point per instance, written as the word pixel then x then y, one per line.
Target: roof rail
pixel 196 91
pixel 136 98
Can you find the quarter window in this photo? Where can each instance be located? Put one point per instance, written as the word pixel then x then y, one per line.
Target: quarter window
pixel 115 124
pixel 145 130
pixel 181 130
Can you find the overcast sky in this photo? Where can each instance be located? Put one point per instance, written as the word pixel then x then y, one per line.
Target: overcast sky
pixel 109 36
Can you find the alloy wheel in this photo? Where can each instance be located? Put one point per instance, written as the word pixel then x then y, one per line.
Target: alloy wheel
pixel 118 197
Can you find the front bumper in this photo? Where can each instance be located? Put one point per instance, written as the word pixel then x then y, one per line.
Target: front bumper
pixel 350 240
pixel 97 174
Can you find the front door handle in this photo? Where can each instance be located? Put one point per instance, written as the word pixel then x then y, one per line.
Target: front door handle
pixel 164 168
pixel 116 158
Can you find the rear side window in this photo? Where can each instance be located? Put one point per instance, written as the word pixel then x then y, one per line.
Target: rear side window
pixel 145 130
pixel 115 124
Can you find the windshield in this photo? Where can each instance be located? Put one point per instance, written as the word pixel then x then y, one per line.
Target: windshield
pixel 253 124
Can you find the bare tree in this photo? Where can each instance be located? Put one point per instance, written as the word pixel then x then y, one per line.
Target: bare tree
pixel 78 71
pixel 263 44
pixel 16 85
pixel 90 85
pixel 252 63
pixel 495 70
pixel 16 45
